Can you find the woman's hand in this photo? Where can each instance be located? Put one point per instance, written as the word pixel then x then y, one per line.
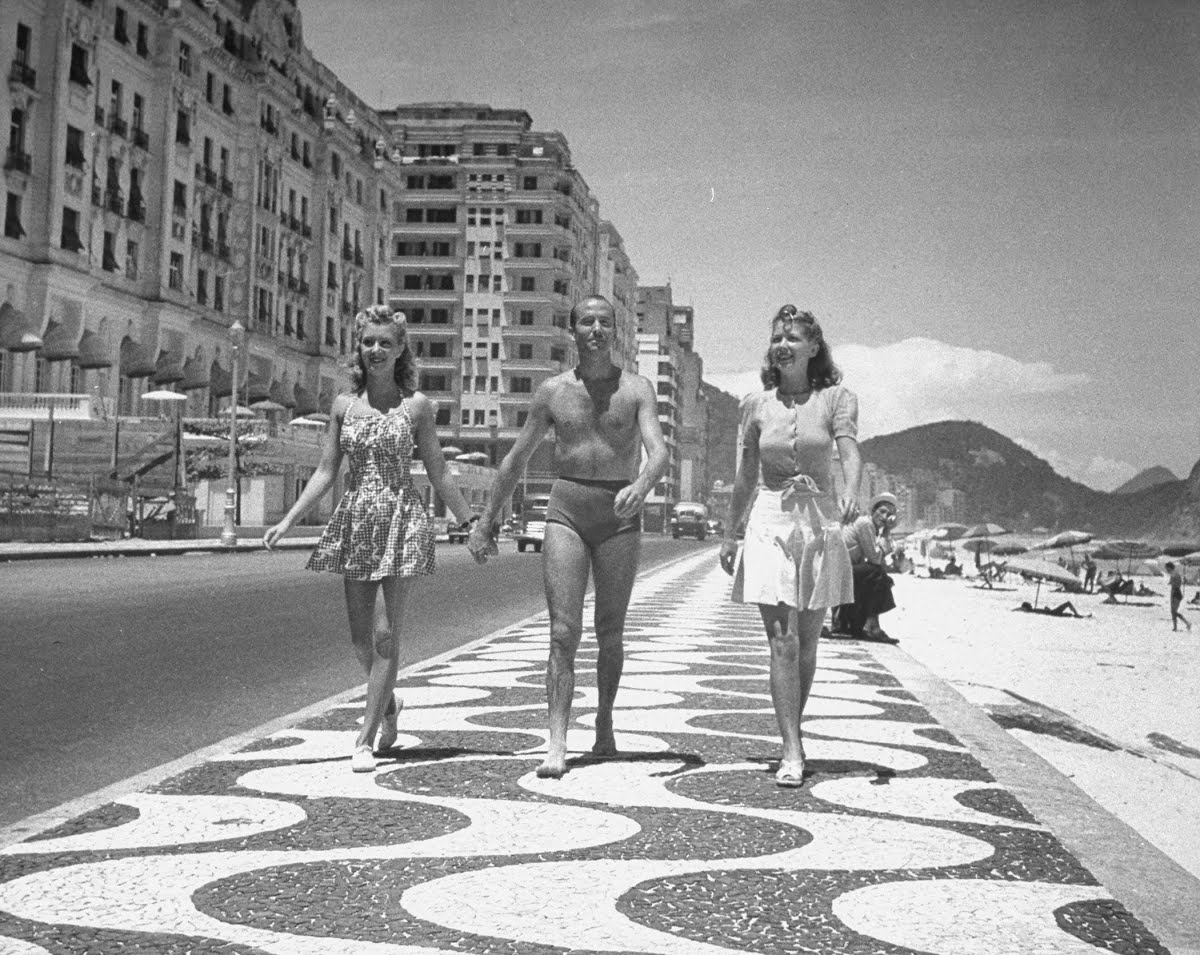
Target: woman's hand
pixel 481 543
pixel 273 534
pixel 728 556
pixel 849 508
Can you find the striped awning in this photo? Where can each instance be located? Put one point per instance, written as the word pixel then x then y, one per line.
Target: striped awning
pixel 61 344
pixel 137 361
pixel 92 353
pixel 16 333
pixel 195 375
pixel 219 381
pixel 283 395
pixel 306 401
pixel 168 368
pixel 258 388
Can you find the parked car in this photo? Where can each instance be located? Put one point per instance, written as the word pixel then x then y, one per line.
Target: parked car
pixel 689 519
pixel 531 530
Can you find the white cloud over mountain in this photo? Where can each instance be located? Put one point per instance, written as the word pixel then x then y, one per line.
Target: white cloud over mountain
pixel 921 380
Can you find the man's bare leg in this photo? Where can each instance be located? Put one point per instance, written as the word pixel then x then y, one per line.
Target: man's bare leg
pixel 614 569
pixel 565 563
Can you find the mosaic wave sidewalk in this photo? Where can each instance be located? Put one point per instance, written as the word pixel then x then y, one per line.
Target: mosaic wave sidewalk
pixel 899 842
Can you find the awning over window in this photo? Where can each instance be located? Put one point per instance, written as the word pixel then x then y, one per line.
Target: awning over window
pixel 60 343
pixel 16 333
pixel 306 402
pixel 219 381
pixel 168 368
pixel 91 352
pixel 137 361
pixel 283 395
pixel 258 388
pixel 195 375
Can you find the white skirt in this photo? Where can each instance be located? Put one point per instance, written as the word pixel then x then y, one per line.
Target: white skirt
pixel 793 554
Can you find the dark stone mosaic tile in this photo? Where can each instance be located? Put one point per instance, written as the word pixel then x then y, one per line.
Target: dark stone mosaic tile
pixel 996 802
pixel 754 724
pixel 77 940
pixel 1109 926
pixel 476 779
pixel 267 744
pixel 210 779
pixel 104 817
pixel 518 719
pixel 718 701
pixel 342 719
pixel 939 735
pixel 446 745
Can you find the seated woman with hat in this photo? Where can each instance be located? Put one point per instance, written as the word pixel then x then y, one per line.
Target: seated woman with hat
pixel 869 541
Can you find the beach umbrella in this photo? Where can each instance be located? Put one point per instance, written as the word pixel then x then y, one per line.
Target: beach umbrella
pixel 947 532
pixel 1180 549
pixel 163 395
pixel 980 545
pixel 450 451
pixel 984 530
pixel 474 457
pixel 1007 548
pixel 1189 560
pixel 1041 570
pixel 267 405
pixel 319 416
pixel 306 423
pixel 1069 539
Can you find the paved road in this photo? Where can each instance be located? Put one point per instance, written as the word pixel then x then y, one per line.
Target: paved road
pixel 114 666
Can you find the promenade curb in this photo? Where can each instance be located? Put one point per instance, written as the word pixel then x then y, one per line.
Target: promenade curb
pixel 922 826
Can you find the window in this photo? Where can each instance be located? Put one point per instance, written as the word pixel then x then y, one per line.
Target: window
pixel 439 349
pixel 138 118
pixel 431 382
pixel 441 215
pixel 143 40
pixel 78 73
pixel 497 283
pixel 528 283
pixel 131 260
pixel 335 164
pixel 210 84
pixel 121 26
pixel 108 260
pixel 16 132
pixel 442 417
pixel 412 282
pixel 180 199
pixel 466 415
pixel 527 250
pixel 439 316
pixel 529 216
pixel 529 182
pixel 175 275
pixel 558 354
pixel 522 417
pixel 24 44
pixel 218 300
pixel 183 127
pixel 202 286
pixel 69 238
pixel 75 157
pixel 12 217
pixel 185 59
pixel 226 100
pixel 479 416
pixel 525 352
pixel 520 386
pixel 495 350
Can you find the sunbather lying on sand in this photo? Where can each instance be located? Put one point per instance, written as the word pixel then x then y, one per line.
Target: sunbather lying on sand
pixel 1064 609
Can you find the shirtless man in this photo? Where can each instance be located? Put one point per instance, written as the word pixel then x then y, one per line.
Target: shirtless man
pixel 602 418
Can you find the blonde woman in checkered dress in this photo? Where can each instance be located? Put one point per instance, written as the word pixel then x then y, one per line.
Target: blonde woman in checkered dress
pixel 379 537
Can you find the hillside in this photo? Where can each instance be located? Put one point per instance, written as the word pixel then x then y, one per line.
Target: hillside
pixel 1006 484
pixel 1150 477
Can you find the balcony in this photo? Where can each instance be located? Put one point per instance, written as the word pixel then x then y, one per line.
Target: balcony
pixel 38 406
pixel 22 74
pixel 99 116
pixel 223 252
pixel 137 208
pixel 525 332
pixel 358 257
pixel 547 365
pixel 226 186
pixel 118 126
pixel 206 243
pixel 141 139
pixel 17 161
pixel 114 202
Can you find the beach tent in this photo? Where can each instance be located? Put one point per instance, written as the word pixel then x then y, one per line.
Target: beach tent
pixel 947 532
pixel 1069 539
pixel 1041 570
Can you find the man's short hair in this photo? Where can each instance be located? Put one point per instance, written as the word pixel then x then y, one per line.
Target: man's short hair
pixel 584 301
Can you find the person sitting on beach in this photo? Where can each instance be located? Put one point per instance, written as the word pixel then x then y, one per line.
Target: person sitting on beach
pixel 1064 609
pixel 868 541
pixel 1144 591
pixel 1196 598
pixel 953 568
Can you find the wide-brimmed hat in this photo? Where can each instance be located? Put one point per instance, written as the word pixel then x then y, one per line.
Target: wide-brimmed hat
pixel 884 498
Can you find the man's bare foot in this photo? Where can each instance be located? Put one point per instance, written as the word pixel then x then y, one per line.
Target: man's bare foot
pixel 553 767
pixel 605 747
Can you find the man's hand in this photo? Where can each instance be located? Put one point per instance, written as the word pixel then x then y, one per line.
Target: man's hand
pixel 628 502
pixel 728 556
pixel 849 508
pixel 481 543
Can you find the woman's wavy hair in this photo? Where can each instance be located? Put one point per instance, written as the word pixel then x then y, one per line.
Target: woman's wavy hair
pixel 406 365
pixel 822 372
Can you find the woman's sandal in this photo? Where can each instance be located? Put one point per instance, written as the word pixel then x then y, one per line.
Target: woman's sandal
pixel 388 731
pixel 790 773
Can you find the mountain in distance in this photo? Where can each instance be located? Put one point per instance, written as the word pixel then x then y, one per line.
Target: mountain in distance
pixel 1147 478
pixel 1006 484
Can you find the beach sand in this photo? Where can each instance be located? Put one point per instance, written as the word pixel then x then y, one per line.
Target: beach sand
pixel 1110 701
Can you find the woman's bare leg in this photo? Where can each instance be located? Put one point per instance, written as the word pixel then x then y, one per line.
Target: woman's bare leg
pixel 375 635
pixel 784 641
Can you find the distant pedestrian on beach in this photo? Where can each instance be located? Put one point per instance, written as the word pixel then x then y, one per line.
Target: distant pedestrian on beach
pixel 603 417
pixel 1175 582
pixel 379 537
pixel 794 563
pixel 1089 573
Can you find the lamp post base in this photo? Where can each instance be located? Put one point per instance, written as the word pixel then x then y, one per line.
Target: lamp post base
pixel 228 533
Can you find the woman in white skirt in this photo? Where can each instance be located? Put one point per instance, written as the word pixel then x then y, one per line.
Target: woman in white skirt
pixel 794 563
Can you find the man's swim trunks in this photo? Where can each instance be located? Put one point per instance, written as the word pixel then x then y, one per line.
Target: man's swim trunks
pixel 586 506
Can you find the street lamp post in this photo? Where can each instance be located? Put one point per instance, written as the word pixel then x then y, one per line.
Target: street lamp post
pixel 237 334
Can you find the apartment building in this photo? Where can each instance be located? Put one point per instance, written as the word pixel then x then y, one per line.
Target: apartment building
pixel 494 237
pixel 174 166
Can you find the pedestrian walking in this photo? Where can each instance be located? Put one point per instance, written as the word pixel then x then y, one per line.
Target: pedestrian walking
pixel 794 563
pixel 1175 583
pixel 380 537
pixel 603 417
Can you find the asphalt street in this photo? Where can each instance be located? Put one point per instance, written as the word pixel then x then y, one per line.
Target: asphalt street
pixel 111 667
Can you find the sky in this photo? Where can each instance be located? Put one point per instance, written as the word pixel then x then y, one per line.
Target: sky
pixel 992 207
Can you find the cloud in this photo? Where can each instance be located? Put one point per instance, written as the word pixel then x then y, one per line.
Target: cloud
pixel 921 380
